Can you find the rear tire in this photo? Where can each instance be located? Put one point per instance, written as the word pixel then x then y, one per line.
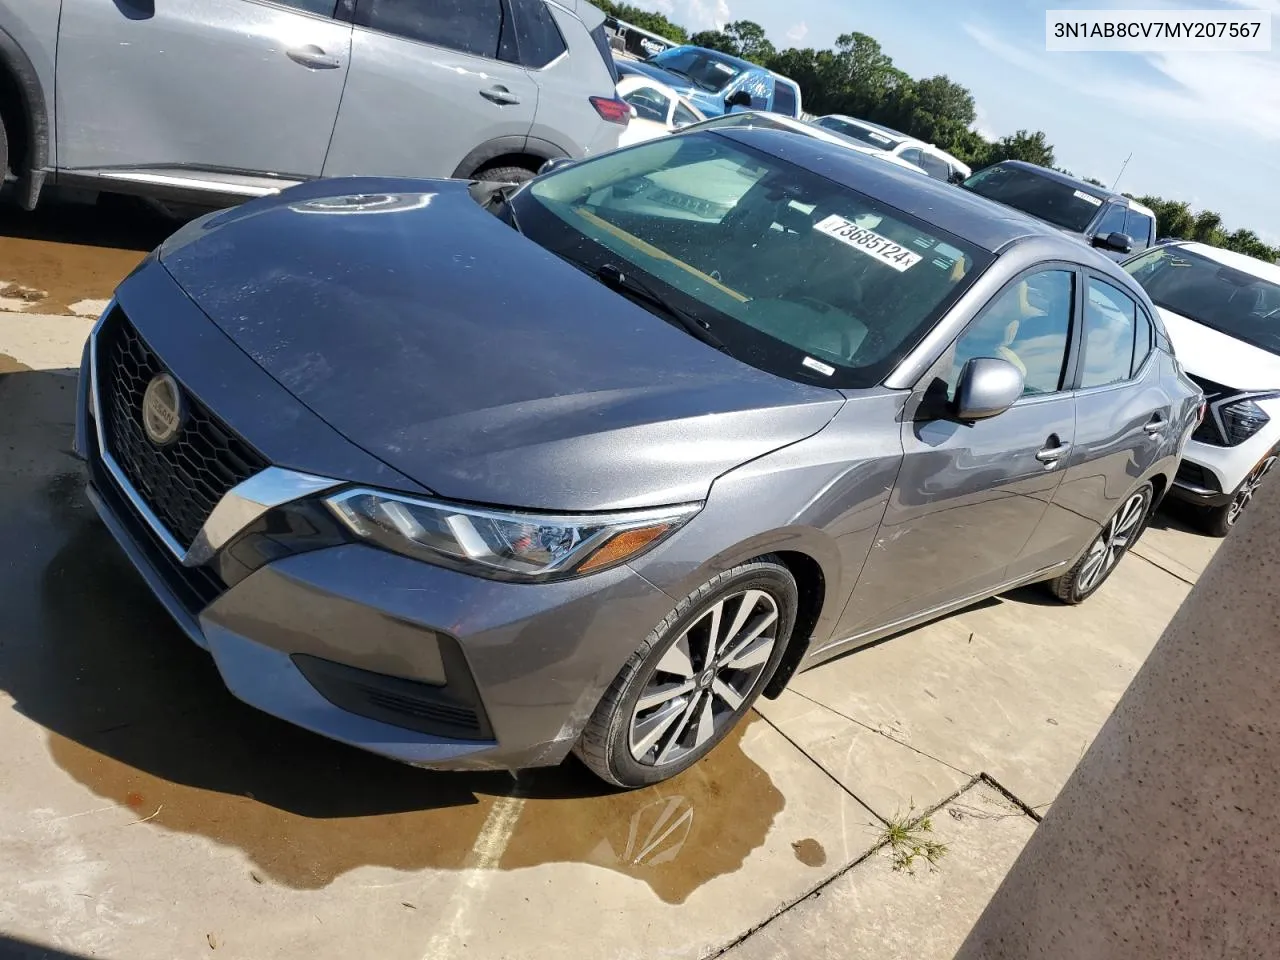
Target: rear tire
pixel 505 175
pixel 693 678
pixel 1106 551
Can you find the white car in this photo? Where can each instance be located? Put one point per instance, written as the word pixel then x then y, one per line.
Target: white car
pixel 809 128
pixel 656 109
pixel 1222 311
pixel 935 162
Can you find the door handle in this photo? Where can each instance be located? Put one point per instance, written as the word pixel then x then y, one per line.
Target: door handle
pixel 500 95
pixel 313 57
pixel 1155 426
pixel 1051 455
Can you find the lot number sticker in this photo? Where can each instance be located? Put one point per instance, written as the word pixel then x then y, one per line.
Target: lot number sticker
pixel 1088 198
pixel 869 242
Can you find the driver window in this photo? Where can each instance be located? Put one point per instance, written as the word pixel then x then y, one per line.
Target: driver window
pixel 1029 325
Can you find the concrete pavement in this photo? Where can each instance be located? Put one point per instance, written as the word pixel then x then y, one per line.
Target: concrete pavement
pixel 146 813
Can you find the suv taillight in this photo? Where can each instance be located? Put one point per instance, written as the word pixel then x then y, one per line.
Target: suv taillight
pixel 612 109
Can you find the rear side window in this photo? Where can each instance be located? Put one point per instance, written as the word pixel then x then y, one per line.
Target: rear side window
pixel 1143 340
pixel 650 103
pixel 912 155
pixel 935 167
pixel 1110 322
pixel 784 99
pixel 1140 228
pixel 537 35
pixel 468 26
pixel 601 38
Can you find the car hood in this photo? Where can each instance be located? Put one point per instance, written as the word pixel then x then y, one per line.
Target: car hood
pixel 673 80
pixel 467 357
pixel 1218 357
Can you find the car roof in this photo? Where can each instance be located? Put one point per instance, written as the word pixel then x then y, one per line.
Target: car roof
pixel 1236 261
pixel 1083 185
pixel 980 221
pixel 725 57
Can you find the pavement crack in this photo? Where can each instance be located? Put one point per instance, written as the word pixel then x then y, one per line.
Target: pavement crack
pixel 901 743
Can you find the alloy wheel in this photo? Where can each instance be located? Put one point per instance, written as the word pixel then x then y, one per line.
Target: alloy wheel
pixel 1116 537
pixel 704 678
pixel 1248 488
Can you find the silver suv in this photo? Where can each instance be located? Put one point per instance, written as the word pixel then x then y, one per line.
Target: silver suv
pixel 220 100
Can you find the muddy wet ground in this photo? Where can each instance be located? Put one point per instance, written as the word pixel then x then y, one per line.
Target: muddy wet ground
pixel 72 251
pixel 145 812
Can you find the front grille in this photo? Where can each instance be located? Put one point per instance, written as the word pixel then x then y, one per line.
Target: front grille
pixel 181 482
pixel 193 587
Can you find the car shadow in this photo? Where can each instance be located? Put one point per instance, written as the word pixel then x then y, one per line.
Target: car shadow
pixel 138 714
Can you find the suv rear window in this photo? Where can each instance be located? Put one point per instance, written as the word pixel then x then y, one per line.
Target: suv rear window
pixel 469 26
pixel 537 35
pixel 601 38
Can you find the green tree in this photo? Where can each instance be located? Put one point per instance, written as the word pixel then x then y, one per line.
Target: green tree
pixel 1031 147
pixel 1248 243
pixel 742 38
pixel 644 19
pixel 1208 228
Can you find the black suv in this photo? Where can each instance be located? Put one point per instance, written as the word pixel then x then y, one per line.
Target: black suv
pixel 1110 221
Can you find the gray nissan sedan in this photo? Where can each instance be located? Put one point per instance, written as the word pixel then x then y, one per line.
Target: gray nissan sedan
pixel 474 477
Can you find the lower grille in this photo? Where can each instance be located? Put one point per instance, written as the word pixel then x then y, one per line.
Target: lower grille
pixel 193 587
pixel 183 481
pixel 452 711
pixel 1195 475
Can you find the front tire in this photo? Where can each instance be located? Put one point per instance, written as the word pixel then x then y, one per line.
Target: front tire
pixel 1219 521
pixel 1117 536
pixel 693 678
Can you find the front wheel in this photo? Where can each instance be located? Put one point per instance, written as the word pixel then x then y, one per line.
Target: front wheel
pixel 1218 521
pixel 505 175
pixel 1113 542
pixel 693 678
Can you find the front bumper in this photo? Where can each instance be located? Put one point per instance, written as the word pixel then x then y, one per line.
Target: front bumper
pixel 1210 475
pixel 414 662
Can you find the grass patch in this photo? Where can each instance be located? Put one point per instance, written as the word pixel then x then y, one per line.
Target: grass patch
pixel 907 840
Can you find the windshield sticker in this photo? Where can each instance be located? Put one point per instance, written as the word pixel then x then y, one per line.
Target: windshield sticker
pixel 881 137
pixel 818 365
pixel 866 241
pixel 1088 198
pixel 723 68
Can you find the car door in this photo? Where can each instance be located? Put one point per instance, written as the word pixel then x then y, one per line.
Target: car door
pixel 430 81
pixel 201 89
pixel 970 496
pixel 1123 421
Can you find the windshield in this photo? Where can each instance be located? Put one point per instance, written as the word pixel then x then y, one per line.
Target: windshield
pixel 704 70
pixel 1057 203
pixel 855 131
pixel 795 274
pixel 1223 298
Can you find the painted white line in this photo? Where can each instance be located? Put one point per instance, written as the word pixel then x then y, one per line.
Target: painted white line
pixel 486 853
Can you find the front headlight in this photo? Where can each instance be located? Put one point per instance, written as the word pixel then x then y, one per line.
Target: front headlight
pixel 499 544
pixel 1241 420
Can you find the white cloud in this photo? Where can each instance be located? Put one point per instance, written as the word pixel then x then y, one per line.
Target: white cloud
pixel 1205 89
pixel 982 123
pixel 694 15
pixel 798 32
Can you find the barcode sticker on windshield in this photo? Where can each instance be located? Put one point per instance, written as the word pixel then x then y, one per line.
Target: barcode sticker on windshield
pixel 869 242
pixel 1088 198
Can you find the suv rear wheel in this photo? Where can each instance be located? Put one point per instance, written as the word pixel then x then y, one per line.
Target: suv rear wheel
pixel 508 174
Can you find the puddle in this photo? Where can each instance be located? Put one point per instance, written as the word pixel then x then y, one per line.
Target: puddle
pixel 67 252
pixel 138 715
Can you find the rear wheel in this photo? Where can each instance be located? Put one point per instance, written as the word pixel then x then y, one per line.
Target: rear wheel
pixel 693 678
pixel 1118 535
pixel 505 175
pixel 1218 521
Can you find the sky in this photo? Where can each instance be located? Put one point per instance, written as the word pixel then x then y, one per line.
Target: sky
pixel 1202 127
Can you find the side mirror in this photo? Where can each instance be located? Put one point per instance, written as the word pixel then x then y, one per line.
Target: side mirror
pixel 555 163
pixel 987 388
pixel 1119 242
pixel 739 98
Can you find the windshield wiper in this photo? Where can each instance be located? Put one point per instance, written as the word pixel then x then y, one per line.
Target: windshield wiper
pixel 613 276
